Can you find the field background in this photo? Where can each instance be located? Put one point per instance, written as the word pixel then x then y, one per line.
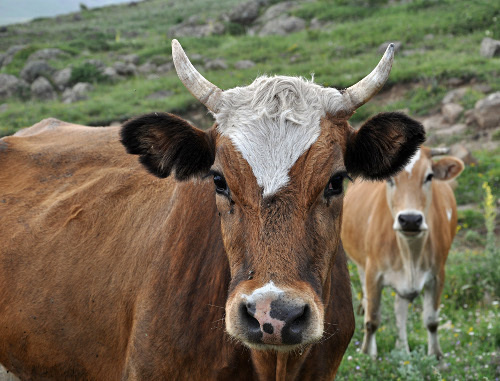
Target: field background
pixel 440 52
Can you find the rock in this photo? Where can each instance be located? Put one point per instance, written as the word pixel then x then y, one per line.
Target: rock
pixel 457 129
pixel 244 64
pixel 11 86
pixel 470 117
pixel 4 107
pixel 316 24
pixel 111 74
pixel 147 68
pixel 245 13
pixel 454 95
pixel 43 90
pixel 217 64
pixel 434 122
pixel 160 94
pixel 282 26
pixel 125 69
pixel 193 27
pixel 95 62
pixel 460 151
pixel 451 112
pixel 383 47
pixel 276 11
pixel 131 59
pixel 165 68
pixel 487 111
pixel 46 54
pixel 489 48
pixel 62 77
pixel 34 69
pixel 7 57
pixel 79 92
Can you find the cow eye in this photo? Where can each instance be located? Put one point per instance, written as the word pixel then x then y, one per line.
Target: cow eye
pixel 390 181
pixel 429 177
pixel 220 184
pixel 335 185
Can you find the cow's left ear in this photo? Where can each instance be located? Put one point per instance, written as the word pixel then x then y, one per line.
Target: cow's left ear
pixel 168 143
pixel 383 145
pixel 447 168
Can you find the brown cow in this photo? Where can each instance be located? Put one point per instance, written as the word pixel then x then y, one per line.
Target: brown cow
pixel 109 273
pixel 399 235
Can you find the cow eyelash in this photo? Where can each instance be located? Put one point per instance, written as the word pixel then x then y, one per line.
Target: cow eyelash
pixel 429 177
pixel 335 185
pixel 219 182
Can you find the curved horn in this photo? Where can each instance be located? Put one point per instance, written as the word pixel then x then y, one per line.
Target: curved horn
pixel 361 92
pixel 203 90
pixel 440 151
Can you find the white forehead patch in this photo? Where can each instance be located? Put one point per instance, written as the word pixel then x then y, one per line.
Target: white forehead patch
pixel 414 159
pixel 448 214
pixel 272 122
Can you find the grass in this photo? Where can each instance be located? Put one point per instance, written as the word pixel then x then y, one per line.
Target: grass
pixel 338 56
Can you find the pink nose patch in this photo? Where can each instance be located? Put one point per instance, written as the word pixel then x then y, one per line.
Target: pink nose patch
pixel 270 327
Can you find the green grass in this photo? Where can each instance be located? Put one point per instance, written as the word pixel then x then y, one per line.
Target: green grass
pixel 338 56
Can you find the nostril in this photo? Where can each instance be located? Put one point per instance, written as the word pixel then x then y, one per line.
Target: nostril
pixel 247 312
pixel 418 220
pixel 402 219
pixel 299 322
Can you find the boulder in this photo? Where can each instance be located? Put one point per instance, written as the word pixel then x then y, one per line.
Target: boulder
pixel 147 68
pixel 11 86
pixel 460 151
pixel 6 58
pixel 3 107
pixel 62 77
pixel 276 11
pixel 435 122
pixel 487 111
pixel 282 26
pixel 46 54
pixel 79 92
pixel 125 69
pixel 165 68
pixel 34 69
pixel 43 90
pixel 451 112
pixel 489 48
pixel 111 74
pixel 245 13
pixel 244 64
pixel 457 129
pixel 216 64
pixel 131 58
pixel 161 94
pixel 194 27
pixel 454 95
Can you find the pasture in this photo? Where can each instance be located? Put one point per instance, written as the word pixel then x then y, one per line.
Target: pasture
pixel 440 53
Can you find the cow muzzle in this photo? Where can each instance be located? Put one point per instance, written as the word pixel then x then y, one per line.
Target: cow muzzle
pixel 410 223
pixel 271 318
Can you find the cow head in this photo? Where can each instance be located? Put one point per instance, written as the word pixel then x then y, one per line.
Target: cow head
pixel 279 153
pixel 409 194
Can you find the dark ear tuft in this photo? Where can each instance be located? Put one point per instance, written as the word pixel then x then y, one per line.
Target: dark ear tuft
pixel 166 142
pixel 383 145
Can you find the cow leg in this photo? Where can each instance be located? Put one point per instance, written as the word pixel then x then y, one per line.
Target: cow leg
pixel 362 307
pixel 371 294
pixel 432 297
pixel 401 312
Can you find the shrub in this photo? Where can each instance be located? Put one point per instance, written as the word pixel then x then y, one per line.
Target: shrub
pixel 86 72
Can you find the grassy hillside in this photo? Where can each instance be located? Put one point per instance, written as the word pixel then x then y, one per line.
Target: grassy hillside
pixel 440 39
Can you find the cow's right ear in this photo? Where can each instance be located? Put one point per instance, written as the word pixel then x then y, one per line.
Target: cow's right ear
pixel 168 143
pixel 383 146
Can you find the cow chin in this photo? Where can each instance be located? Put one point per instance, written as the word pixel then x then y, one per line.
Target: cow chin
pixel 270 318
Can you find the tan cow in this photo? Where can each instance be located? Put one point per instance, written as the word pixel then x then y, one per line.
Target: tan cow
pixel 399 233
pixel 110 273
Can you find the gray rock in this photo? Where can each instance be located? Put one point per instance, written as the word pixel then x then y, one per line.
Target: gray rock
pixel 61 78
pixel 147 68
pixel 276 11
pixel 193 27
pixel 4 107
pixel 245 13
pixel 434 122
pixel 244 64
pixel 165 68
pixel 6 58
pixel 111 74
pixel 487 111
pixel 489 48
pixel 46 54
pixel 11 86
pixel 43 90
pixel 383 47
pixel 282 26
pixel 317 24
pixel 35 69
pixel 125 69
pixel 456 129
pixel 95 62
pixel 79 92
pixel 131 58
pixel 451 112
pixel 460 151
pixel 217 64
pixel 454 95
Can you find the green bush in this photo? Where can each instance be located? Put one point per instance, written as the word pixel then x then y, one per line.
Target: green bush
pixel 86 72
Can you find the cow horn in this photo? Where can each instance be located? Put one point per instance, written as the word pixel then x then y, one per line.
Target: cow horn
pixel 440 151
pixel 203 90
pixel 361 92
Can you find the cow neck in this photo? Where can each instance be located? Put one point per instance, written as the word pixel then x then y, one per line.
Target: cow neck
pixel 412 250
